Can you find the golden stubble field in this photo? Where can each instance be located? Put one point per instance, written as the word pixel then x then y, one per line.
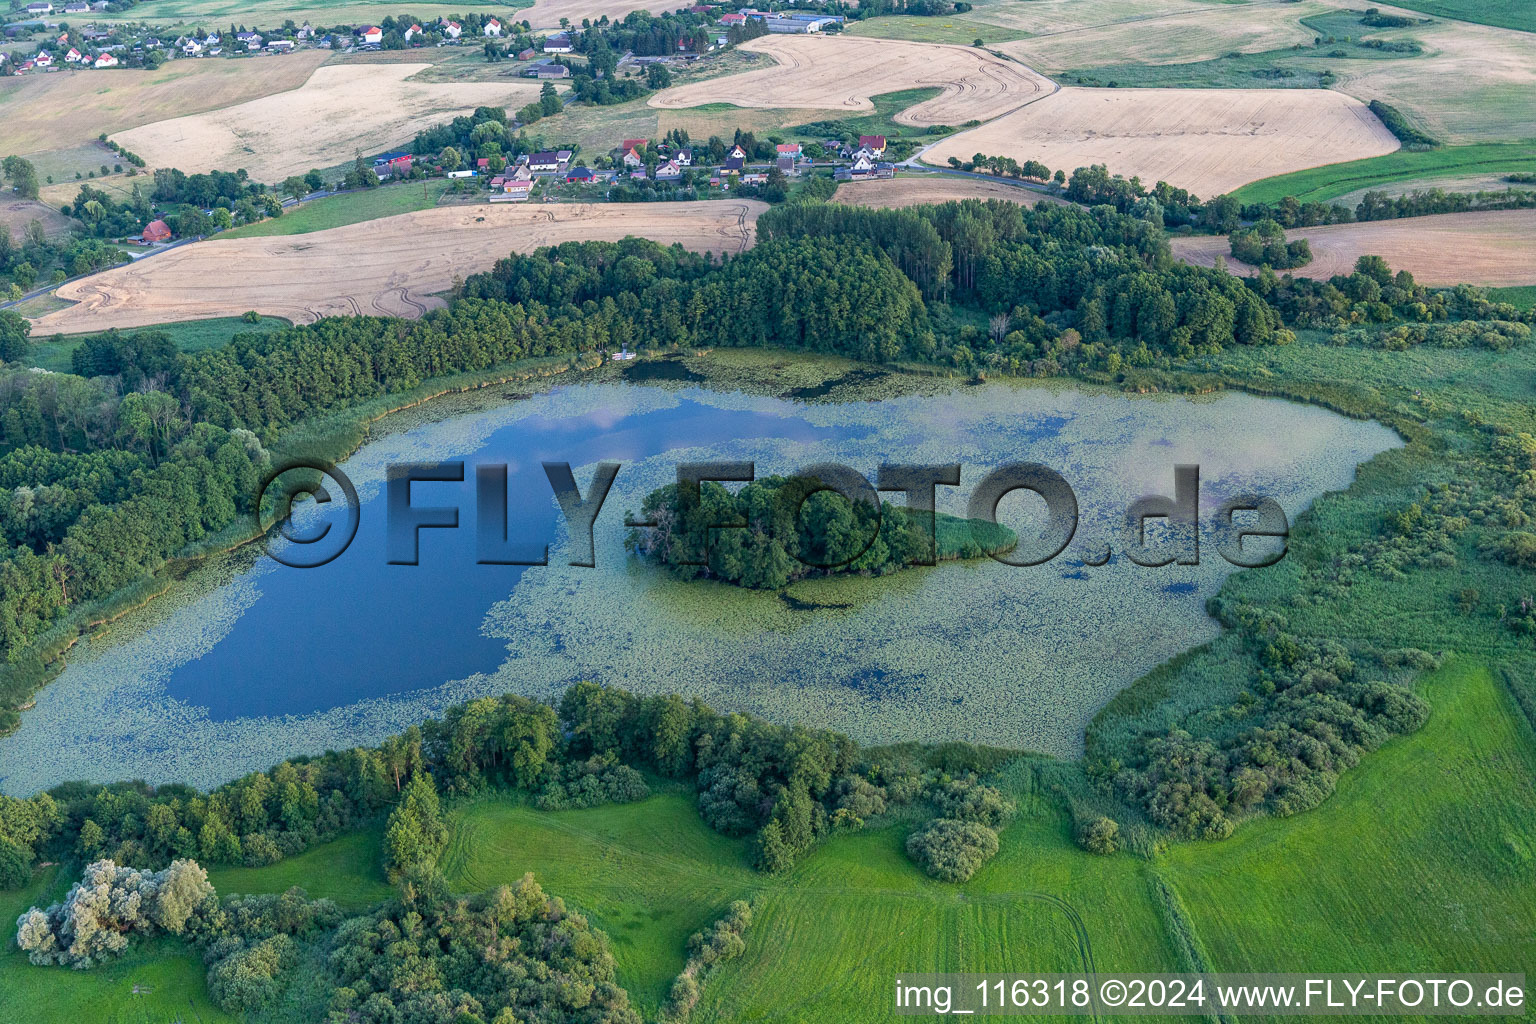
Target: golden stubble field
pixel 1209 141
pixel 68 108
pixel 391 267
pixel 341 110
pixel 895 193
pixel 843 72
pixel 1495 248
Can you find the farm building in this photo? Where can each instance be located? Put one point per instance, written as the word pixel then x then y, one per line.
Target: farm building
pixel 795 26
pixel 156 231
pixel 547 70
pixel 77 7
pixel 527 54
pixel 560 43
pixel 874 143
pixel 733 19
pixel 40 8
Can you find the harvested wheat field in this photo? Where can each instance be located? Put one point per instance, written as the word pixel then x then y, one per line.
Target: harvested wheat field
pixel 1209 141
pixel 893 193
pixel 386 267
pixel 843 72
pixel 1496 248
pixel 68 108
pixel 547 13
pixel 1173 33
pixel 341 110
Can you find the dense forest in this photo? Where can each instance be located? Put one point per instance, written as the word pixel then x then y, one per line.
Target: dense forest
pixel 790 530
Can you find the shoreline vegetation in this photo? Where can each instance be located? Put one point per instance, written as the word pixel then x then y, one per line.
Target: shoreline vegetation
pixel 792 531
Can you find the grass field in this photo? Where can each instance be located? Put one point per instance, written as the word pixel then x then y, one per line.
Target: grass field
pixel 1519 14
pixel 170 975
pixel 1521 298
pixel 957 30
pixel 351 208
pixel 189 336
pixel 1423 860
pixel 1320 184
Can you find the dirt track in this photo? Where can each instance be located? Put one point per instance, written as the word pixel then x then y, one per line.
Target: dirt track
pixel 1209 141
pixel 893 193
pixel 389 267
pixel 1495 249
pixel 843 72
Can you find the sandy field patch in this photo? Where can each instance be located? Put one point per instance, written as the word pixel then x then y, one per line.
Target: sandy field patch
pixel 69 108
pixel 894 193
pixel 1209 141
pixel 341 110
pixel 386 267
pixel 843 72
pixel 1496 248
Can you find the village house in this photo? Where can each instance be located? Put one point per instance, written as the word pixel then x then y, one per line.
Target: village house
pixel 452 29
pixel 511 190
pixel 73 56
pixel 371 34
pixel 305 32
pixel 632 158
pixel 669 171
pixel 106 60
pixel 559 43
pixel 736 153
pixel 156 231
pixel 280 45
pixel 789 149
pixel 579 176
pixel 492 28
pixel 411 33
pixel 547 162
pixel 43 59
pixel 787 165
pixel 874 143
pixel 733 19
pixel 192 48
pixel 684 158
pixel 733 165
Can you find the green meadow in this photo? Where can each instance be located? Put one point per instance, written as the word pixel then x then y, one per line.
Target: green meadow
pixel 189 336
pixel 1517 14
pixel 1320 184
pixel 348 208
pixel 1423 860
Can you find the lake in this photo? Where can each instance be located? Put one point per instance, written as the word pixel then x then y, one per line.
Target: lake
pixel 250 661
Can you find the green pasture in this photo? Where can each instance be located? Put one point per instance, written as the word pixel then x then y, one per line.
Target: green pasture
pixel 348 208
pixel 53 353
pixel 1320 184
